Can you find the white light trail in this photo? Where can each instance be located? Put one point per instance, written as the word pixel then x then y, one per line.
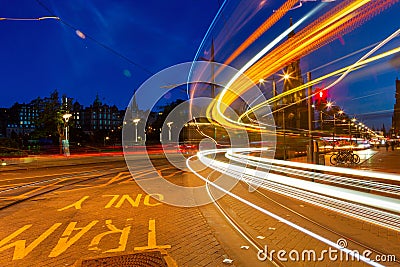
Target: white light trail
pixel 327 199
pixel 380 202
pixel 283 220
pixel 256 58
pixel 339 170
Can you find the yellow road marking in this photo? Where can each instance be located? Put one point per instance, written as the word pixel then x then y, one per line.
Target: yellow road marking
pixel 20 250
pixel 147 200
pixel 65 241
pixel 151 238
pixel 123 239
pixel 77 205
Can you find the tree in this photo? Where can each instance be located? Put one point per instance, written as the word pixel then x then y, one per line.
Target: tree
pixel 49 122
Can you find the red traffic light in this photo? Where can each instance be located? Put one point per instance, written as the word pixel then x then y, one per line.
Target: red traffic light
pixel 321 95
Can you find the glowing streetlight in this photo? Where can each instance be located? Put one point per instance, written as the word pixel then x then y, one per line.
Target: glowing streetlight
pixel 169 129
pixel 136 121
pixel 340 112
pixel 66 118
pixel 106 138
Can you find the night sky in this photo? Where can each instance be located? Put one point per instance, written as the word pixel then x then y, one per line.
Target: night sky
pixel 128 41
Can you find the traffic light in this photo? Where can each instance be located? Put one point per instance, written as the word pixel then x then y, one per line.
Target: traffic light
pixel 321 96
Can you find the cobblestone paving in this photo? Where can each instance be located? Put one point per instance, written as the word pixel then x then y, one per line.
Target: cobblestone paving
pixel 278 235
pixel 59 228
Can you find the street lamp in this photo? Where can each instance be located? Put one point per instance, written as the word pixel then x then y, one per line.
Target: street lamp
pixel 262 81
pixel 66 118
pixel 105 139
pixel 136 121
pixel 285 77
pixel 340 112
pixel 169 129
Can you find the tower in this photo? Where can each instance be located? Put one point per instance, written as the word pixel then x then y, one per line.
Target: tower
pixel 396 111
pixel 296 114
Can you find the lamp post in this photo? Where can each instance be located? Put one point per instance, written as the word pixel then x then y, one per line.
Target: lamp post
pixel 66 118
pixel 310 157
pixel 340 112
pixel 284 133
pixel 262 81
pixel 351 123
pixel 136 121
pixel 105 139
pixel 169 130
pixel 285 77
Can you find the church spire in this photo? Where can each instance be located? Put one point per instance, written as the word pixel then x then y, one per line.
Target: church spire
pixel 134 106
pixel 292 32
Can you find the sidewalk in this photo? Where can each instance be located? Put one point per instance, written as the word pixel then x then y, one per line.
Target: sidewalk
pixel 383 161
pixel 378 160
pixel 46 161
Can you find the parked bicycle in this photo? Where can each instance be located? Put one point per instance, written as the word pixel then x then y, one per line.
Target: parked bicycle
pixel 344 157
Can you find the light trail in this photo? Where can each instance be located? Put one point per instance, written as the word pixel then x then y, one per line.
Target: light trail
pixel 360 205
pixel 279 218
pixel 334 179
pixel 380 202
pixel 262 29
pixel 339 170
pixel 31 19
pixel 341 19
pixel 226 90
pixel 320 79
pixel 377 217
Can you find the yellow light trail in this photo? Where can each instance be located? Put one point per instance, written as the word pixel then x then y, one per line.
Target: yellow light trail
pixel 262 29
pixel 320 79
pixel 339 20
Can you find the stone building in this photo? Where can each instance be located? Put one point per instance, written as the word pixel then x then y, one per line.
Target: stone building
pixel 395 130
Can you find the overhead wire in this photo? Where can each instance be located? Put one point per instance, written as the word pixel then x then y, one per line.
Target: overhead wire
pixel 110 49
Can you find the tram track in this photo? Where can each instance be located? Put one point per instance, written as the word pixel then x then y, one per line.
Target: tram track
pixel 307 223
pixel 46 186
pixel 241 226
pixel 35 186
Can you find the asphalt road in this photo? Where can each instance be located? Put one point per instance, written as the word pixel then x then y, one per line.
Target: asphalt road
pixel 57 212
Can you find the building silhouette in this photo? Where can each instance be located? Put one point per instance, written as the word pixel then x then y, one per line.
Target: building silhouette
pixel 96 121
pixel 295 105
pixel 20 118
pixel 395 130
pixel 98 116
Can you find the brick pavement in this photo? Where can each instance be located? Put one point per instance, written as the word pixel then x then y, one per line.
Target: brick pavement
pixel 197 236
pixel 384 161
pixel 59 228
pixel 278 235
pixel 372 159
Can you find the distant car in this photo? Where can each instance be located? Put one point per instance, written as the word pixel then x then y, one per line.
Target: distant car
pixel 188 148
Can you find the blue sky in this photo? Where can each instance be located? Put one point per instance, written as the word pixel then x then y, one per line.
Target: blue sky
pixel 128 41
pixel 367 94
pixel 40 56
